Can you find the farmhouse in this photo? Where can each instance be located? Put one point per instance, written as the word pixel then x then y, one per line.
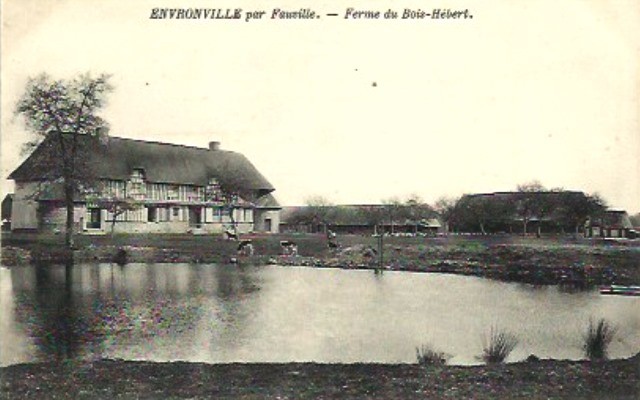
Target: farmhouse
pixel 147 187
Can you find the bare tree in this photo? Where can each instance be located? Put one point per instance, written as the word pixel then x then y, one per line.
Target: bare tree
pixel 416 210
pixel 64 111
pixel 444 208
pixel 319 210
pixel 115 206
pixel 373 215
pixel 528 202
pixel 393 207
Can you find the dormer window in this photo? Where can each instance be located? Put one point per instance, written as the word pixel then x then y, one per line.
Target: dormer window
pixel 137 188
pixel 213 191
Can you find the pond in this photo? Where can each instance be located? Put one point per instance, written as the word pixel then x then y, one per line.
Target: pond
pixel 219 314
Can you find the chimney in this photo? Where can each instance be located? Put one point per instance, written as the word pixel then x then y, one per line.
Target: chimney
pixel 214 146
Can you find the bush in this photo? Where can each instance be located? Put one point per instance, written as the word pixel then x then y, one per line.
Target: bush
pixel 597 339
pixel 500 345
pixel 428 356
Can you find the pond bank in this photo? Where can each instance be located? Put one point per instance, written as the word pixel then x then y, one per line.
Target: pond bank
pixel 543 261
pixel 614 379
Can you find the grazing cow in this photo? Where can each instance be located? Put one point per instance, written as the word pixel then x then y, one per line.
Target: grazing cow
pixel 288 248
pixel 231 235
pixel 332 242
pixel 369 252
pixel 245 248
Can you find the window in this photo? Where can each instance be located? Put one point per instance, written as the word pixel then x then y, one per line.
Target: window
pixel 137 188
pixel 198 193
pixel 115 189
pixel 213 191
pixel 94 218
pixel 176 211
pixel 172 192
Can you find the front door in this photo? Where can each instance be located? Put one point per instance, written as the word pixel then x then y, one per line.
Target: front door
pixel 195 216
pixel 267 225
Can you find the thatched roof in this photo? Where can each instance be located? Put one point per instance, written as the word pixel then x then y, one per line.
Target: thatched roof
pixel 161 162
pixel 267 201
pixel 513 196
pixel 353 215
pixel 7 203
pixel 614 219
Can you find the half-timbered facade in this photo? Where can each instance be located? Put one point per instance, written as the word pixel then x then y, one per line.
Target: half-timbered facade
pixel 151 187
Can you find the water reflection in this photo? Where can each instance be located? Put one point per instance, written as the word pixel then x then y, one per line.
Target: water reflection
pixel 136 311
pixel 49 313
pixel 215 313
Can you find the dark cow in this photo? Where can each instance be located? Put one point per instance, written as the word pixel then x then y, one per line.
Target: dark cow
pixel 231 235
pixel 288 248
pixel 245 248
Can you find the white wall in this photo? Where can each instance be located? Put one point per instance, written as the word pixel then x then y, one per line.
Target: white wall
pixel 24 210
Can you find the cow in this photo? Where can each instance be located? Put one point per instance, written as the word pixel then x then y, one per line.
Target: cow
pixel 245 248
pixel 288 248
pixel 231 235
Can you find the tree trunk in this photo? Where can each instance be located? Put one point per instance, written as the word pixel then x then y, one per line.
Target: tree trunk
pixel 113 223
pixel 68 200
pixel 482 229
pixel 524 225
pixel 233 220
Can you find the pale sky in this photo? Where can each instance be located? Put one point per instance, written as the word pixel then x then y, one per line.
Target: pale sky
pixel 526 90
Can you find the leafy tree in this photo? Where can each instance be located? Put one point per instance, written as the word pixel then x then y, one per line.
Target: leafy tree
pixel 575 208
pixel 65 110
pixel 480 211
pixel 469 213
pixel 635 220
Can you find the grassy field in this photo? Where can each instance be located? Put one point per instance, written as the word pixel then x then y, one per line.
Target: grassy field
pixel 108 379
pixel 511 258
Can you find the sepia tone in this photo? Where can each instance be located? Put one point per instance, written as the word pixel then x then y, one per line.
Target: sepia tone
pixel 323 200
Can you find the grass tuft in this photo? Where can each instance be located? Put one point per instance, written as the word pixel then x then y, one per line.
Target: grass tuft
pixel 597 339
pixel 500 345
pixel 427 356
